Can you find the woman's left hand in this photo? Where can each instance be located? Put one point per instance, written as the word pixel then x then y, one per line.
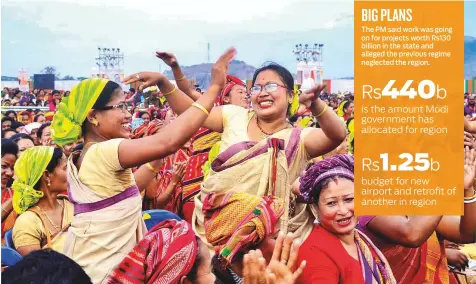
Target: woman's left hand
pixel 469 167
pixel 148 79
pixel 281 269
pixel 310 96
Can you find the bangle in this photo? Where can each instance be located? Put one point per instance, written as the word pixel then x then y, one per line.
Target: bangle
pixel 200 107
pixel 4 210
pixel 469 201
pixel 323 110
pixel 471 197
pixel 169 93
pixel 181 78
pixel 149 166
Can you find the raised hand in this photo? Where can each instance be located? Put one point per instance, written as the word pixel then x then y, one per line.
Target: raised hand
pixel 168 58
pixel 179 171
pixel 469 167
pixel 220 68
pixel 147 78
pixel 311 95
pixel 282 267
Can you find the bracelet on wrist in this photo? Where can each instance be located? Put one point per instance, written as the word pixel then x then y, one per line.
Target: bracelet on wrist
pixel 169 93
pixel 149 166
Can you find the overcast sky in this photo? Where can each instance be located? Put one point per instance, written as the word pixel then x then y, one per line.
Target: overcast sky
pixel 66 34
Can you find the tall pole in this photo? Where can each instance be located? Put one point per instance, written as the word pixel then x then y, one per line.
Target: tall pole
pixel 208 52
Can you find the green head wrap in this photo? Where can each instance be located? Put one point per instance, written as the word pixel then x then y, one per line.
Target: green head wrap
pixel 28 170
pixel 73 110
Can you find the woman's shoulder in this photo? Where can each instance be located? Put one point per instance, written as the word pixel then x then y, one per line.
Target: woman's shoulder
pixel 29 221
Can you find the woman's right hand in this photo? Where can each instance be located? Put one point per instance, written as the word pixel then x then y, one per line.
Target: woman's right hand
pixel 179 171
pixel 220 68
pixel 148 79
pixel 168 58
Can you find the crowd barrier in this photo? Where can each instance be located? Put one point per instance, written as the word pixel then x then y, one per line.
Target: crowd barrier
pixel 22 108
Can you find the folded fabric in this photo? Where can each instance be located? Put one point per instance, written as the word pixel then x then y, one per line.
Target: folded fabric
pixel 166 253
pixel 237 221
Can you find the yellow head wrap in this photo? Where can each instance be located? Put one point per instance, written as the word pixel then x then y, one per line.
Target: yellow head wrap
pixel 305 122
pixel 350 128
pixel 28 170
pixel 294 106
pixel 73 110
pixel 340 109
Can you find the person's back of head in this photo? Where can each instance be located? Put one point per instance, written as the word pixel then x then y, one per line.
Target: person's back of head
pixel 45 267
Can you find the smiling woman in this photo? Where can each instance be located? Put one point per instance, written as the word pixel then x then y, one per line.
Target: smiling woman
pixel 335 251
pixel 260 152
pixel 105 193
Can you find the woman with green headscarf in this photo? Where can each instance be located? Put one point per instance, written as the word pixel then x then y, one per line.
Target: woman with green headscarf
pixel 105 193
pixel 44 213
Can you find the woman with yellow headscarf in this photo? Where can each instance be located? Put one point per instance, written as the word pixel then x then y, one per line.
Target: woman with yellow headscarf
pixel 105 193
pixel 44 213
pixel 345 110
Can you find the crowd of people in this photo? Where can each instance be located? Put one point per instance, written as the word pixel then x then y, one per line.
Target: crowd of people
pixel 259 183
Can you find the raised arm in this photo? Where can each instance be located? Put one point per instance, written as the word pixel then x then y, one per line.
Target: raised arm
pixel 179 101
pixel 332 131
pixel 180 79
pixel 462 229
pixel 134 152
pixel 406 232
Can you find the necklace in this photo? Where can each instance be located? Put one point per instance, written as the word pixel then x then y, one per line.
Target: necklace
pixel 266 134
pixel 57 228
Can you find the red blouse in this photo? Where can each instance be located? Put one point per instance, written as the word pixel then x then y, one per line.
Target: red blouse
pixel 327 260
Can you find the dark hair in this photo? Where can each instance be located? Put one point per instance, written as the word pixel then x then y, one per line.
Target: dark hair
pixel 4 132
pixel 323 185
pixel 46 266
pixel 104 98
pixel 6 118
pixel 282 72
pixel 36 117
pixel 132 90
pixel 142 113
pixel 42 128
pixel 56 92
pixel 9 112
pixel 17 124
pixel 54 162
pixel 347 104
pixel 19 136
pixel 9 147
pixel 192 274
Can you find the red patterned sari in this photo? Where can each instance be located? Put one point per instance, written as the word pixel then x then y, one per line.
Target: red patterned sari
pixel 164 178
pixel 426 264
pixel 12 217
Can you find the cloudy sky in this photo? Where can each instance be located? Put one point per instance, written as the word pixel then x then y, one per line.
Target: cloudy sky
pixel 66 33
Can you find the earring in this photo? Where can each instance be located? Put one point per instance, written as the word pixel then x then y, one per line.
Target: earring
pixel 49 183
pixel 95 122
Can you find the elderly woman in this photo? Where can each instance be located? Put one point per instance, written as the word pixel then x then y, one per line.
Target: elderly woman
pixel 414 246
pixel 9 158
pixel 44 214
pixel 335 251
pixel 105 193
pixel 260 152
